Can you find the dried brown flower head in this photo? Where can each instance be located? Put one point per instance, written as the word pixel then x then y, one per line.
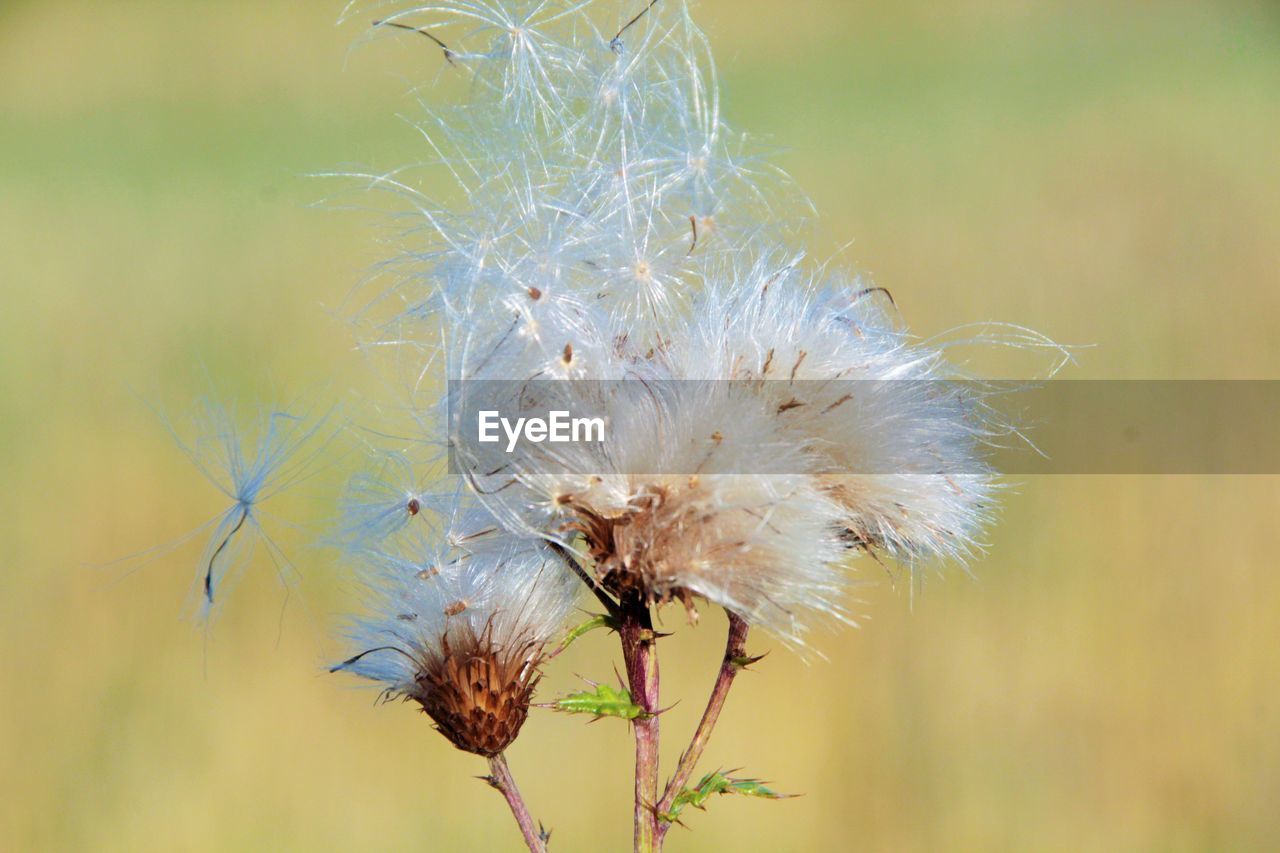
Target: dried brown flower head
pixel 478 693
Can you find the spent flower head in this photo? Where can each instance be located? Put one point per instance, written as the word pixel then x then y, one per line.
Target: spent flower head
pixel 462 627
pixel 616 229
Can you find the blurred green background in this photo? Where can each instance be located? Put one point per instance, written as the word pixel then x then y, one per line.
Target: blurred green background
pixel 1109 678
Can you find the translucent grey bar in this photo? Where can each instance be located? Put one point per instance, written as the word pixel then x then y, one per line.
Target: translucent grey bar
pixel 886 427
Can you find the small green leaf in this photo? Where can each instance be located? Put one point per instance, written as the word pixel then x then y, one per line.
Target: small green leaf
pixel 753 788
pixel 601 701
pixel 601 621
pixel 717 783
pixel 745 661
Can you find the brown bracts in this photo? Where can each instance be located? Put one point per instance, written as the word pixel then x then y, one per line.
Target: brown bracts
pixel 477 693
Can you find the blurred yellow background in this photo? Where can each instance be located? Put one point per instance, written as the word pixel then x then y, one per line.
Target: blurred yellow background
pixel 1109 678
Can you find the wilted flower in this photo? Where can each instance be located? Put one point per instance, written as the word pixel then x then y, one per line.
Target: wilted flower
pixel 462 628
pixel 619 231
pixel 783 427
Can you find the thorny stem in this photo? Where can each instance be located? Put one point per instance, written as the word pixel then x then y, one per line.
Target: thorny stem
pixel 500 777
pixel 734 659
pixel 640 654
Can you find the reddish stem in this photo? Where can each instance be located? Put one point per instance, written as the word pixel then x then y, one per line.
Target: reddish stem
pixel 734 657
pixel 639 653
pixel 500 777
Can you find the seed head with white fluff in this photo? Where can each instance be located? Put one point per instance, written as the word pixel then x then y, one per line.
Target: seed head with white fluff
pixel 462 628
pixel 617 230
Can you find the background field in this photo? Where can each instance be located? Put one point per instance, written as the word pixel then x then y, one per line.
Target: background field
pixel 1109 678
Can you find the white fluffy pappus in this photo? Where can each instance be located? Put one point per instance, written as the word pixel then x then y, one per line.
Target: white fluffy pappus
pixel 697 493
pixel 615 229
pixel 478 583
pixel 249 462
pixel 897 434
pixel 462 628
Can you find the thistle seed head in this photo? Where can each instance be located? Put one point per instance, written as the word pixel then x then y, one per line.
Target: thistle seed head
pixel 616 228
pixel 461 628
pixel 477 693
